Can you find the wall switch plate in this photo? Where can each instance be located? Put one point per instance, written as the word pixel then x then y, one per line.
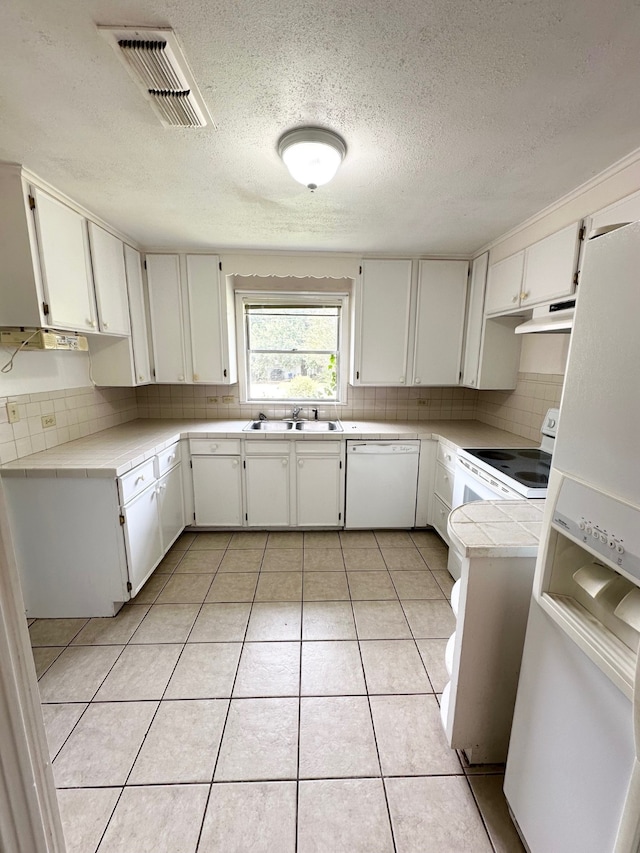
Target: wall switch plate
pixel 212 399
pixel 13 413
pixel 228 398
pixel 48 421
pixel 422 402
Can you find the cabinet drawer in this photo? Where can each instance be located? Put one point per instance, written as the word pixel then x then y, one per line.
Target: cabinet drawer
pixel 267 448
pixel 443 486
pixel 440 515
pixel 214 446
pixel 136 480
pixel 446 456
pixel 167 459
pixel 318 448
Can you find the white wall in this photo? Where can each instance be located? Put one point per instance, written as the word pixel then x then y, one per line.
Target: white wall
pixel 34 372
pixel 544 353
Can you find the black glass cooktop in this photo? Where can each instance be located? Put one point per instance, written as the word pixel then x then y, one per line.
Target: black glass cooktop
pixel 528 466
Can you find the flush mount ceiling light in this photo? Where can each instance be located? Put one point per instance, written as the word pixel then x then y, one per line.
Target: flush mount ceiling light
pixel 312 154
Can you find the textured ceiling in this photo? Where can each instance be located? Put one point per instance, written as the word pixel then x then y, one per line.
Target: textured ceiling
pixel 462 117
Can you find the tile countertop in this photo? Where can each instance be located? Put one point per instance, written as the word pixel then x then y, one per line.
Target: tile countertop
pixel 497 528
pixel 115 451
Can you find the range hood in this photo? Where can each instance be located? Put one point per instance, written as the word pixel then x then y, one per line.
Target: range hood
pixel 557 317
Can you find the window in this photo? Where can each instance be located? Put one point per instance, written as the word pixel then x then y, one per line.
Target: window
pixel 293 347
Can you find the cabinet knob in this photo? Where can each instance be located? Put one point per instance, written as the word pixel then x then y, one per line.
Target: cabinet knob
pixel 213 448
pixel 106 325
pixel 196 377
pixel 181 378
pixel 235 463
pixel 418 380
pixel 402 380
pixel 171 457
pixel 140 377
pixel 91 323
pixel 446 479
pixel 472 382
pixel 300 463
pixel 524 295
pixel 515 298
pixel 285 462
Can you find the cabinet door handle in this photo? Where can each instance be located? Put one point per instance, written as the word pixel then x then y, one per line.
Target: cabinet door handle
pixel 285 462
pixel 213 448
pixel 300 463
pixel 171 457
pixel 139 479
pixel 91 323
pixel 524 295
pixel 402 380
pixel 181 378
pixel 140 378
pixel 446 479
pixel 235 463
pixel 472 382
pixel 418 380
pixel 196 377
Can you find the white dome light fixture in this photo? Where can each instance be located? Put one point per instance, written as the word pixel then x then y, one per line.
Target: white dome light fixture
pixel 312 154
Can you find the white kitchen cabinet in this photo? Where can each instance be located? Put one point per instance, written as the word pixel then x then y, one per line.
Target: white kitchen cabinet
pixel 165 309
pixel 625 210
pixel 440 308
pixel 445 467
pixel 142 535
pixel 217 489
pixel 492 349
pixel 110 281
pixel 540 273
pixel 381 323
pixel 267 483
pixel 319 483
pixel 171 506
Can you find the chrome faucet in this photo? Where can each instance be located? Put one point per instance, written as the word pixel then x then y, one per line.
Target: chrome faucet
pixel 296 412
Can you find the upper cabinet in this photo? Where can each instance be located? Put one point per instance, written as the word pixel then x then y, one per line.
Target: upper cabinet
pixel 540 273
pixel 192 326
pixel 110 281
pixel 406 332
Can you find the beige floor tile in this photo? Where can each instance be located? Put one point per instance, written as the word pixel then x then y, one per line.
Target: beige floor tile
pixel 274 620
pixel 205 671
pixel 393 666
pixel 141 672
pixel 184 541
pixel 430 619
pixel 44 656
pixel 403 559
pixel 436 560
pixel 411 740
pixel 259 817
pixel 285 539
pixel 260 741
pixel 248 539
pixel 428 539
pixel 55 632
pixel 444 581
pixel 435 815
pixel 336 738
pixel 319 560
pixel 152 589
pixel 394 539
pixel 493 807
pixel 112 630
pixel 358 539
pixel 328 620
pixel 156 819
pixel 78 673
pixel 233 586
pixel 166 623
pixel 248 560
pixel 381 620
pixel 59 721
pixel 343 816
pixel 371 586
pixel 202 562
pixel 421 584
pixel 182 743
pixel 167 565
pixel 432 653
pixel 363 559
pixel 279 586
pixel 211 541
pixel 85 813
pixel 186 589
pixel 104 744
pixel 221 623
pixel 331 669
pixel 325 586
pixel 321 539
pixel 268 669
pixel 282 560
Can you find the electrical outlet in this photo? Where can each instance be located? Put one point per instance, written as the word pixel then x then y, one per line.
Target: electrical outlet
pixel 228 398
pixel 422 402
pixel 212 400
pixel 13 413
pixel 48 421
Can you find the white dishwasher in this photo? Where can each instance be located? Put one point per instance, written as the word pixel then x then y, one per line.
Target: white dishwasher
pixel 382 483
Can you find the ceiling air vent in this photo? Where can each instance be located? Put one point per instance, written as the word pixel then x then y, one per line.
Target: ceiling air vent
pixel 155 60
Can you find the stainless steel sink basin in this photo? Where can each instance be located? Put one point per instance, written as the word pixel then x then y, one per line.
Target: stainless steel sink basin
pixel 270 426
pixel 319 426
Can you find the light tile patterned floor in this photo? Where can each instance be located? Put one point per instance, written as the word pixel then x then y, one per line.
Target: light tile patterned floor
pixel 267 692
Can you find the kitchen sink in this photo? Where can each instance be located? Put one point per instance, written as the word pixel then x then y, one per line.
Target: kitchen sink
pixel 285 425
pixel 319 426
pixel 270 426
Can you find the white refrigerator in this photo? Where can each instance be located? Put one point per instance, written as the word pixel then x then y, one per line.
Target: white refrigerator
pixel 572 778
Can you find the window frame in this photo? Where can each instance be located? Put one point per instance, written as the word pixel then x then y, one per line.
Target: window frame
pixel 309 299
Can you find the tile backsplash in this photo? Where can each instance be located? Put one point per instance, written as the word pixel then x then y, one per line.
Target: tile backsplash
pixel 81 411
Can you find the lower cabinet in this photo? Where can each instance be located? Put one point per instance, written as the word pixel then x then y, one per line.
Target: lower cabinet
pixel 142 536
pixel 319 484
pixel 267 480
pixel 217 491
pixel 171 506
pixel 443 488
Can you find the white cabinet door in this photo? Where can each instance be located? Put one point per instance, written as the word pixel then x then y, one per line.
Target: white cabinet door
pixel 383 302
pixel 110 281
pixel 504 284
pixel 212 359
pixel 318 492
pixel 142 537
pixel 267 491
pixel 171 506
pixel 475 315
pixel 217 490
pixel 442 295
pixel 65 264
pixel 139 333
pixel 550 266
pixel 165 305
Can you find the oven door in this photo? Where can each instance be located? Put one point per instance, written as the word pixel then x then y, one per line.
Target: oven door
pixel 469 486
